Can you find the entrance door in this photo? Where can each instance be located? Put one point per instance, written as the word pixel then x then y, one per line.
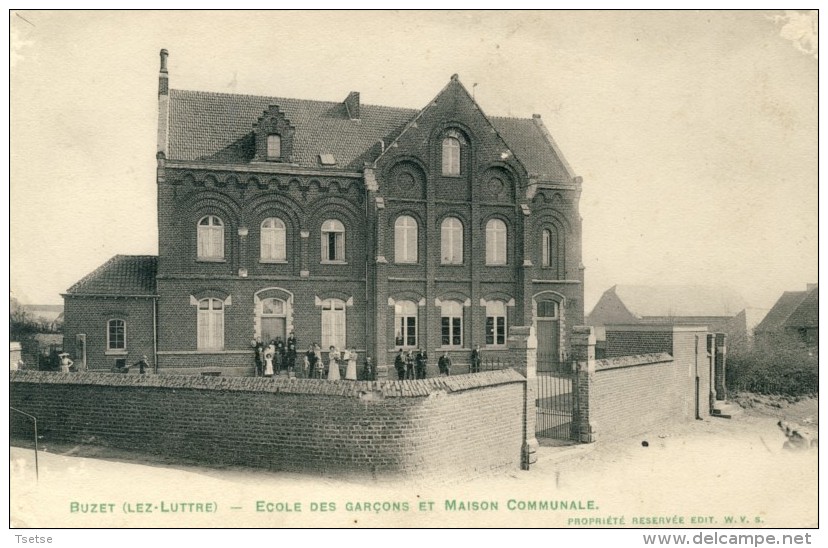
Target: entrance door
pixel 273 320
pixel 548 336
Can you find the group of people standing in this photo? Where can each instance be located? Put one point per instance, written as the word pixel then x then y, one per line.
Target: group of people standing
pixel 413 366
pixel 276 356
pixel 279 356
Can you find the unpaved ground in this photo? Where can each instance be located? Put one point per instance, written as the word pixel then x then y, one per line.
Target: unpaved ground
pixel 711 469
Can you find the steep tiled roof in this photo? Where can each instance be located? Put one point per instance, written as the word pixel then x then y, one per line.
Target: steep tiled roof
pixel 807 313
pixel 680 300
pixel 780 312
pixel 218 127
pixel 793 309
pixel 120 275
pixel 527 141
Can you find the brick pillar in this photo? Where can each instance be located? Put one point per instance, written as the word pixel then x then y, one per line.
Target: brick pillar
pixel 721 363
pixel 583 380
pixel 523 354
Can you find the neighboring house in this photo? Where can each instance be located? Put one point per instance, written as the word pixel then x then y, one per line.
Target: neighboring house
pixel 348 224
pixel 795 316
pixel 720 309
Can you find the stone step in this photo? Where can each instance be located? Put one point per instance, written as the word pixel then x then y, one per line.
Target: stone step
pixel 726 410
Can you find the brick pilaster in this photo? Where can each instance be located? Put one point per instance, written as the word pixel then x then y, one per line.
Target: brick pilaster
pixel 583 381
pixel 523 353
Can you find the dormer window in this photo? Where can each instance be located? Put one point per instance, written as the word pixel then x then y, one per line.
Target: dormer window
pixel 274 147
pixel 273 136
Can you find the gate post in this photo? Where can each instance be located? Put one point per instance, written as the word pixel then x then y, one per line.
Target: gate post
pixel 583 378
pixel 721 364
pixel 523 351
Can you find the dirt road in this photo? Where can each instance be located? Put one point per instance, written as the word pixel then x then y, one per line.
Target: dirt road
pixel 714 473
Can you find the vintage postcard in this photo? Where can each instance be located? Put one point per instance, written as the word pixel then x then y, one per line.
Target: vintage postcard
pixel 404 269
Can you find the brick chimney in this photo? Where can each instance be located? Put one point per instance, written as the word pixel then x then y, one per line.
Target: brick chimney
pixel 163 105
pixel 352 105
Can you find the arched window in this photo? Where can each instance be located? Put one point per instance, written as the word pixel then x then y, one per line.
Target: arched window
pixel 273 240
pixel 495 242
pixel 333 323
pixel 405 239
pixel 333 241
pixel 210 238
pixel 116 335
pixel 495 323
pixel 405 320
pixel 274 146
pixel 451 241
pixel 451 156
pixel 547 249
pixel 451 323
pixel 211 324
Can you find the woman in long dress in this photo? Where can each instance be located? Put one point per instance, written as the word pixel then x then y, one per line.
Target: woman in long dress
pixel 269 352
pixel 351 369
pixel 333 364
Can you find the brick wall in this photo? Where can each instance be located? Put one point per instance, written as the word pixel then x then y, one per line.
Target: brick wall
pixel 629 340
pixel 644 390
pixel 636 395
pixel 90 316
pixel 459 426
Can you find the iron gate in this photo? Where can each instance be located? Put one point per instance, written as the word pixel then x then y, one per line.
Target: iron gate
pixel 554 405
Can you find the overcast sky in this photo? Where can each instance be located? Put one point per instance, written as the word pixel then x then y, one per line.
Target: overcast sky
pixel 695 132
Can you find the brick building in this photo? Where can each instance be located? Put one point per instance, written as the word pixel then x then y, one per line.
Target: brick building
pixel 346 223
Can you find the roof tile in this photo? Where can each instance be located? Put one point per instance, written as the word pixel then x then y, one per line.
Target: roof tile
pixel 121 275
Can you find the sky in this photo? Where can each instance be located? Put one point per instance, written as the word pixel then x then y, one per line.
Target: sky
pixel 695 132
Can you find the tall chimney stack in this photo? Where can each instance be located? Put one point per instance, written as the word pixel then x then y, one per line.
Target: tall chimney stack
pixel 163 77
pixel 163 104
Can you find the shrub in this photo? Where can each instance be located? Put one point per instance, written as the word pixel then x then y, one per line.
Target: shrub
pixel 778 366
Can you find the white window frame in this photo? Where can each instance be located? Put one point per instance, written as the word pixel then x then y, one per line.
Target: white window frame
pixel 210 236
pixel 333 228
pixel 274 138
pixel 115 349
pixel 453 311
pixel 451 156
pixel 273 237
pixel 406 231
pixel 451 241
pixel 210 324
pixel 497 313
pixel 403 312
pixel 496 242
pixel 334 324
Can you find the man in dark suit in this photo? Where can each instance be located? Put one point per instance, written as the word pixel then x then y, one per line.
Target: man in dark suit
pixel 476 359
pixel 444 364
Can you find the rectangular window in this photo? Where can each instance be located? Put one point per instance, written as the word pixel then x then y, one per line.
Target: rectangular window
pixel 334 247
pixel 210 324
pixel 116 335
pixel 333 324
pixel 495 330
pixel 452 333
pixel 406 331
pixel 274 146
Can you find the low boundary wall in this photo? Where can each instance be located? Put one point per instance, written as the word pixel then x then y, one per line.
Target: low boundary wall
pixel 465 425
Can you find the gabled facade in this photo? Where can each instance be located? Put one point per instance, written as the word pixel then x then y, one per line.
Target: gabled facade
pixel 357 225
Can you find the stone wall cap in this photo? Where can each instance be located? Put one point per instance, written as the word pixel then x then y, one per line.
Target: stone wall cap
pixel 311 387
